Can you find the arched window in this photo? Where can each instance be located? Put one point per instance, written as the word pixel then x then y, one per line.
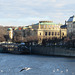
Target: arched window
pixel 44 26
pixel 46 33
pixel 52 33
pixel 49 33
pixel 63 33
pixel 40 33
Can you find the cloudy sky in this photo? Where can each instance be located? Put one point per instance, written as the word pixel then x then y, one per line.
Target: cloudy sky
pixel 26 12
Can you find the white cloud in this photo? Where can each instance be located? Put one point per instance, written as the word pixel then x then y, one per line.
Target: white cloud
pixel 53 0
pixel 59 5
pixel 34 10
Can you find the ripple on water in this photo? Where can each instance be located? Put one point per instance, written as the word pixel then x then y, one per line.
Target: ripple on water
pixel 62 71
pixel 72 73
pixel 1 70
pixel 57 69
pixel 53 70
pixel 66 70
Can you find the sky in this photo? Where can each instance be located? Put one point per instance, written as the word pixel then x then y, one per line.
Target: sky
pixel 27 12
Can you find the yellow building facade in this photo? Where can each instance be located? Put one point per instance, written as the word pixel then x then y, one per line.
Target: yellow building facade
pixel 45 30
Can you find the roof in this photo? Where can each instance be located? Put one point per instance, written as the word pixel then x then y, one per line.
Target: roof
pixel 9 29
pixel 25 27
pixel 20 28
pixel 45 23
pixel 71 19
pixel 16 28
pixel 36 24
pixel 64 26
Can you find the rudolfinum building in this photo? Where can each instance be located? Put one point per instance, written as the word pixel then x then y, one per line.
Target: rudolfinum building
pixel 45 30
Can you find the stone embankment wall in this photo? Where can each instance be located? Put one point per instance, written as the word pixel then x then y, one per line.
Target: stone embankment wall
pixel 52 51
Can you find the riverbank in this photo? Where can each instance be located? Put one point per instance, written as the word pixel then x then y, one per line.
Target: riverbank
pixel 42 50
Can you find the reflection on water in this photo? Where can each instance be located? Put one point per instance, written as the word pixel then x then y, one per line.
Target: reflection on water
pixel 37 65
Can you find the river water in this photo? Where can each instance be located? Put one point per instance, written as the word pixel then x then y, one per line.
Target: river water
pixel 11 64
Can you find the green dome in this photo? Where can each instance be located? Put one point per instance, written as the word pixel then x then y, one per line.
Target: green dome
pixel 25 27
pixel 9 29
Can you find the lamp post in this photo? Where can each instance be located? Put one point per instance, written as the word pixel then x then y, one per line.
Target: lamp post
pixel 22 35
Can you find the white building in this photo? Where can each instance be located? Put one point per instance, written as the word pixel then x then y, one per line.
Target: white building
pixel 10 33
pixel 71 26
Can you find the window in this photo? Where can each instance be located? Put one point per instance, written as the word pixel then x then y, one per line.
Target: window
pixel 52 33
pixel 40 33
pixel 69 30
pixel 44 26
pixel 47 26
pixel 69 25
pixel 46 33
pixel 49 33
pixel 63 33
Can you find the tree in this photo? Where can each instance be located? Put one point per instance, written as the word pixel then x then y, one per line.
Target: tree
pixel 44 42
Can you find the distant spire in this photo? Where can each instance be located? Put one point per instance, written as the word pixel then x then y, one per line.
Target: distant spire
pixel 65 22
pixel 73 15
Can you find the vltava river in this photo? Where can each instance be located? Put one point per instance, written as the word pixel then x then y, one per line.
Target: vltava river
pixel 11 64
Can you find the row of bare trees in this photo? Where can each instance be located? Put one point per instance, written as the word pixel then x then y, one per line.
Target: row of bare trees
pixel 18 37
pixel 3 33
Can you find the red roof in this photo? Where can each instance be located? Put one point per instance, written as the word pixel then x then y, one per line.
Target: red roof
pixel 19 28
